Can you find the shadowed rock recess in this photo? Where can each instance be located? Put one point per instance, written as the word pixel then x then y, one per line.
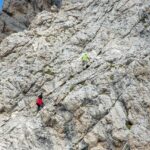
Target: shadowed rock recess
pixel 105 106
pixel 18 14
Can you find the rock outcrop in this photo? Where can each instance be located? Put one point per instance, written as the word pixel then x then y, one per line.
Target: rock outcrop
pixel 104 106
pixel 18 14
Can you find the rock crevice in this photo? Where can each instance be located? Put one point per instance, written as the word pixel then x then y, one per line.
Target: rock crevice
pixel 103 106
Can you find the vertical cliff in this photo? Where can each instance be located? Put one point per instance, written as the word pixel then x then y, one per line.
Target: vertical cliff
pixel 103 106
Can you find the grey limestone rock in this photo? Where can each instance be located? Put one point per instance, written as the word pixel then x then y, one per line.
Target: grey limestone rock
pixel 105 106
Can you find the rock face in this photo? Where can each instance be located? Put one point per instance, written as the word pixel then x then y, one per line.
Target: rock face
pixel 17 14
pixel 104 106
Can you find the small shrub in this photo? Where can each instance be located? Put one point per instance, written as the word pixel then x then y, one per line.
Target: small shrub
pixel 49 72
pixel 112 77
pixel 72 88
pixel 129 124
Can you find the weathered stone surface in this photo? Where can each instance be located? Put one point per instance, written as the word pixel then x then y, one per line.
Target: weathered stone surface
pixel 104 106
pixel 18 14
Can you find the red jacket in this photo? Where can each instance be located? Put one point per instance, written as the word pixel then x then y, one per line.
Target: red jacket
pixel 39 101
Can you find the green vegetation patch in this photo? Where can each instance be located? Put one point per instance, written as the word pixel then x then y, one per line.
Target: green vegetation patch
pixel 129 124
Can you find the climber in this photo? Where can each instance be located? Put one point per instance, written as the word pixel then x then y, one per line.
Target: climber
pixel 39 102
pixel 57 3
pixel 1 6
pixel 85 60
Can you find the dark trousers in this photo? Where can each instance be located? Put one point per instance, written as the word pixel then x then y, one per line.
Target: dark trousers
pixel 39 107
pixel 85 64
